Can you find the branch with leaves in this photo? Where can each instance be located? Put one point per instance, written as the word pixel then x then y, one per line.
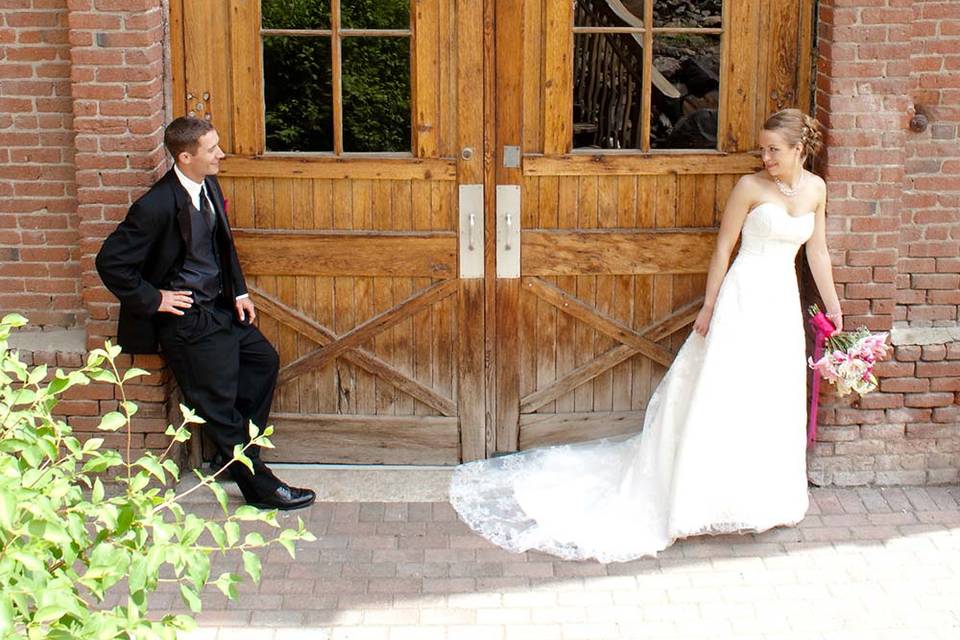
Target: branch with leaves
pixel 65 545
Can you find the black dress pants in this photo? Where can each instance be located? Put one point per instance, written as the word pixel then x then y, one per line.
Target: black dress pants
pixel 227 372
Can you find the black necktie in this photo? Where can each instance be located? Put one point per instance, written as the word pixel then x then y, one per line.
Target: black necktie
pixel 206 209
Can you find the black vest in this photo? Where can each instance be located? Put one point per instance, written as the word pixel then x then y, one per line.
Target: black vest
pixel 201 271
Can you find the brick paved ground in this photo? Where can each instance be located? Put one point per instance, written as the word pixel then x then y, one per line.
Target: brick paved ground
pixel 865 563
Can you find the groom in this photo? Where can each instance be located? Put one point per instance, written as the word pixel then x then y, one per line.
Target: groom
pixel 173 266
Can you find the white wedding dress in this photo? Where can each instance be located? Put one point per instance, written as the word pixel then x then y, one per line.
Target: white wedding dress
pixel 723 442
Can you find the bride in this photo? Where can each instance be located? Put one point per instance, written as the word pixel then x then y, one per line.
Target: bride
pixel 723 443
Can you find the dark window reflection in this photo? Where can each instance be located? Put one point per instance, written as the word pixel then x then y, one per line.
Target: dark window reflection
pixel 375 14
pixel 687 119
pixel 298 95
pixel 295 14
pixel 607 89
pixel 684 13
pixel 376 94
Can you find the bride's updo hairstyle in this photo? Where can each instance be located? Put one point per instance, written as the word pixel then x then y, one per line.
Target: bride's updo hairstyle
pixel 797 128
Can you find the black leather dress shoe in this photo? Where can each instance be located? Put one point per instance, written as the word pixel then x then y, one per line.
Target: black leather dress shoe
pixel 286 498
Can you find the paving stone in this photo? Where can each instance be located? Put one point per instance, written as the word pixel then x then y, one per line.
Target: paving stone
pixel 866 563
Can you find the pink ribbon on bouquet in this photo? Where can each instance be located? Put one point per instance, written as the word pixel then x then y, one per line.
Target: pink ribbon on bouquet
pixel 823 328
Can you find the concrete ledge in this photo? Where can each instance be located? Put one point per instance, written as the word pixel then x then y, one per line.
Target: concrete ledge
pixel 901 336
pixel 53 341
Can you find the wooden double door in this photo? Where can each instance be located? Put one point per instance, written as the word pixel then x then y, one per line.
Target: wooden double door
pixel 524 274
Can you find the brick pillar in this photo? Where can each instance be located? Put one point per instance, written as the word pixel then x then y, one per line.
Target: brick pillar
pixel 881 243
pixel 117 53
pixel 39 259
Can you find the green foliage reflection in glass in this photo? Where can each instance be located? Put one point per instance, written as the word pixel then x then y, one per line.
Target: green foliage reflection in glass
pixel 376 94
pixel 375 76
pixel 296 14
pixel 298 93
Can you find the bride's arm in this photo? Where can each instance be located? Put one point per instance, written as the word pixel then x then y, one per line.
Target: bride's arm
pixel 734 213
pixel 819 260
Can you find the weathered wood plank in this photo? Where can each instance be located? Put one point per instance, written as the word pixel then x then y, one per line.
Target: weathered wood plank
pixel 471 391
pixel 615 252
pixel 591 316
pixel 363 439
pixel 575 378
pixel 319 334
pixel 557 80
pixel 339 167
pixel 246 79
pixel 426 72
pixel 543 430
pixel 532 81
pixel 366 383
pixel 341 254
pixel 367 330
pixel 508 361
pixel 662 162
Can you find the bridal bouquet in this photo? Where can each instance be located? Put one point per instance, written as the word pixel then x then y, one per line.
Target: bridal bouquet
pixel 848 357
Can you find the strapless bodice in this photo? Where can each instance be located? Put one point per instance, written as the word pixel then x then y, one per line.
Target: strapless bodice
pixel 770 231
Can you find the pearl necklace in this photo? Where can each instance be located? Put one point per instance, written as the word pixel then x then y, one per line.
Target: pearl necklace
pixel 790 191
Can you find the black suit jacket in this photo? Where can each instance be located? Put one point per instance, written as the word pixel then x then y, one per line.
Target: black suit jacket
pixel 148 248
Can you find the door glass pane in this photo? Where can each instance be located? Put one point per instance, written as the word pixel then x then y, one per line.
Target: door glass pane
pixel 376 94
pixel 295 14
pixel 684 114
pixel 375 14
pixel 298 95
pixel 686 13
pixel 607 87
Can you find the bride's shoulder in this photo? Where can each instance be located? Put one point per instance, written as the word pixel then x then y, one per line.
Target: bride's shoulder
pixel 751 183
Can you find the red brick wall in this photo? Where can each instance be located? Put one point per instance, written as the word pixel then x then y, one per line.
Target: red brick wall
pixel 39 256
pixel 119 114
pixel 894 232
pixel 928 279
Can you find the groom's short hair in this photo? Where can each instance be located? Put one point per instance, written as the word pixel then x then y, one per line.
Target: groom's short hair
pixel 184 133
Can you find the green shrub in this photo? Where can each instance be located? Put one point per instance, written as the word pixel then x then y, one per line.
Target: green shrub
pixel 65 544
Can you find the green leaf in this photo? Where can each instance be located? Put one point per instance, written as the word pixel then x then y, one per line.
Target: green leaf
pixel 216 532
pixel 138 574
pixel 130 408
pixel 227 583
pixel 6 616
pixel 102 375
pixel 97 496
pixel 254 539
pixel 251 564
pixel 241 457
pixel 14 320
pixel 23 396
pixel 190 416
pixel 153 467
pixel 37 375
pixel 172 468
pixel 252 430
pixel 246 512
pixel 112 421
pixel 48 613
pixel 220 494
pixel 28 560
pixel 190 598
pixel 232 529
pixel 8 507
pixel 133 373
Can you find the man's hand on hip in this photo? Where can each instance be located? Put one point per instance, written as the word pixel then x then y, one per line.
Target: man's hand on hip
pixel 245 311
pixel 174 301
